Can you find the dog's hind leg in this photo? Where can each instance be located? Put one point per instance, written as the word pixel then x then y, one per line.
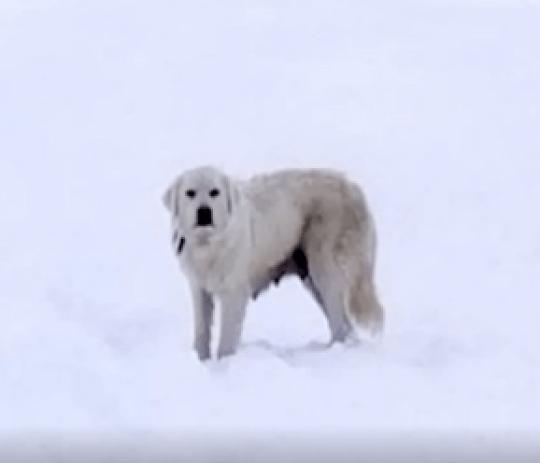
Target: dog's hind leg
pixel 324 283
pixel 299 265
pixel 312 289
pixel 338 322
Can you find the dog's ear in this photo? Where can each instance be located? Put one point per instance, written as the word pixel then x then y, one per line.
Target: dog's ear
pixel 170 198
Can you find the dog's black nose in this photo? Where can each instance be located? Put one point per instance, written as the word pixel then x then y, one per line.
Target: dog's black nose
pixel 204 216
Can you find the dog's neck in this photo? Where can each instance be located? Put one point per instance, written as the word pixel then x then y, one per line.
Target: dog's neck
pixel 212 259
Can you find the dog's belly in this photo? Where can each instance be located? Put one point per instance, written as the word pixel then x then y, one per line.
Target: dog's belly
pixel 295 264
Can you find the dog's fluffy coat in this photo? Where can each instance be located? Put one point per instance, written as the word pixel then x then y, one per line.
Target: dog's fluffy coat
pixel 312 223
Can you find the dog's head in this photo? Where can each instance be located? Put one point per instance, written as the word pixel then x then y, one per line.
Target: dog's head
pixel 201 202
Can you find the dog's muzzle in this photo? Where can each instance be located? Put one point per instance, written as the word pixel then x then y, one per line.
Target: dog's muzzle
pixel 204 216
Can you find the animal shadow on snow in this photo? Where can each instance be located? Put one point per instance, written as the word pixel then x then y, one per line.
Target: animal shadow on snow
pixel 291 354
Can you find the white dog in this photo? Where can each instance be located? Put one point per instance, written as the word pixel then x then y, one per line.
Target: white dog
pixel 234 239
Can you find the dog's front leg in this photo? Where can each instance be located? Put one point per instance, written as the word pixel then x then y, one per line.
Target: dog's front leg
pixel 203 305
pixel 233 311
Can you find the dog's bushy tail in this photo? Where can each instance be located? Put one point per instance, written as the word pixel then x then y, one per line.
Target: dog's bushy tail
pixel 364 308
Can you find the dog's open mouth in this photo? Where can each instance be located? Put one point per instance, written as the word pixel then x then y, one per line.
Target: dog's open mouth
pixel 204 217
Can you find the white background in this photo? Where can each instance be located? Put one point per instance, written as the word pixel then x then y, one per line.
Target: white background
pixel 433 107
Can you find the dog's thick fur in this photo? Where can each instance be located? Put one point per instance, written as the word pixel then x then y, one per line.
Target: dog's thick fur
pixel 312 223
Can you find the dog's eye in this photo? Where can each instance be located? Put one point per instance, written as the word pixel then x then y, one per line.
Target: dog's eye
pixel 214 193
pixel 191 193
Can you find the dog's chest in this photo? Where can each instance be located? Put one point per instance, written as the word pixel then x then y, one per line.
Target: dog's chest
pixel 213 269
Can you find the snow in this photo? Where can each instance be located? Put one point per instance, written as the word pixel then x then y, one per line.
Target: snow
pixel 433 107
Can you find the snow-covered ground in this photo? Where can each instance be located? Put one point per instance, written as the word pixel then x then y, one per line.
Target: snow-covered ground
pixel 434 107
